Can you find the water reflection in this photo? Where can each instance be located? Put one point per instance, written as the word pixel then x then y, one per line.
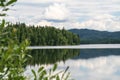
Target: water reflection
pixel 51 56
pixel 100 68
pixel 94 53
pixel 101 64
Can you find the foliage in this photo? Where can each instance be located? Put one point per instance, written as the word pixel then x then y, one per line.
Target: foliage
pixel 51 74
pixel 97 37
pixel 12 55
pixel 44 35
pixel 4 6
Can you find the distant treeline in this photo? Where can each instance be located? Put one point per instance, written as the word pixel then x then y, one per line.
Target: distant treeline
pixel 43 35
pixel 97 37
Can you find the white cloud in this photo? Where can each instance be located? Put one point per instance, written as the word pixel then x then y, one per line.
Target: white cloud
pixel 44 23
pixel 42 1
pixel 69 13
pixel 101 22
pixel 56 12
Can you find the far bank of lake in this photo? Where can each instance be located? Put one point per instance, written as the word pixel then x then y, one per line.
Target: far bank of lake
pixel 82 46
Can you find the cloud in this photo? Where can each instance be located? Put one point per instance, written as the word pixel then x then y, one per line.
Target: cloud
pixel 44 23
pixel 104 22
pixel 56 12
pixel 41 1
pixel 91 14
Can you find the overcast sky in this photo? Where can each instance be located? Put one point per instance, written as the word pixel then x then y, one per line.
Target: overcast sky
pixel 101 15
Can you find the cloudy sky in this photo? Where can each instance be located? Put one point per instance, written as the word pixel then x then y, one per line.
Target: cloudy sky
pixel 101 15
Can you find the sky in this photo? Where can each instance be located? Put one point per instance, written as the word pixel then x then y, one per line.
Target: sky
pixel 103 15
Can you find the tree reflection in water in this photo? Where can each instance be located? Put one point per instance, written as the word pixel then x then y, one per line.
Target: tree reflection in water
pixel 51 56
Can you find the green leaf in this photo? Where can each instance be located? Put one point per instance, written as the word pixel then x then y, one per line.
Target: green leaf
pixel 5 9
pixel 2 14
pixel 54 67
pixel 2 3
pixel 10 2
pixel 4 33
pixel 57 78
pixel 29 56
pixel 52 77
pixel 40 69
pixel 42 74
pixel 46 78
pixel 2 24
pixel 66 78
pixel 65 72
pixel 34 73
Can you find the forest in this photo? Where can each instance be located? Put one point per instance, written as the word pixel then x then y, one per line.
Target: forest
pixel 39 36
pixel 88 36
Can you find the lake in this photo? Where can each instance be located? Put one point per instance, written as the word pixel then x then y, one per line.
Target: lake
pixel 86 62
pixel 84 46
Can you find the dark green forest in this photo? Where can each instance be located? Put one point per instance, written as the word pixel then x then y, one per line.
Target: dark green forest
pixel 97 37
pixel 39 36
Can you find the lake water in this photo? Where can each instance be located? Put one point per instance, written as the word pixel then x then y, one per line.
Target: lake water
pixel 88 46
pixel 102 63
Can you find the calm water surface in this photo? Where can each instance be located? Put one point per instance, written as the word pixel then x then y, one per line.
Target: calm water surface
pixel 87 64
pixel 82 46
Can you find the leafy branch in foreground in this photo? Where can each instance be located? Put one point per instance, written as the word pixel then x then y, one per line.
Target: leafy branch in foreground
pixel 12 55
pixel 4 6
pixel 51 74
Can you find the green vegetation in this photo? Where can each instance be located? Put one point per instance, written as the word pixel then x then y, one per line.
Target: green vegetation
pixel 51 74
pixel 97 37
pixel 4 6
pixel 13 54
pixel 44 35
